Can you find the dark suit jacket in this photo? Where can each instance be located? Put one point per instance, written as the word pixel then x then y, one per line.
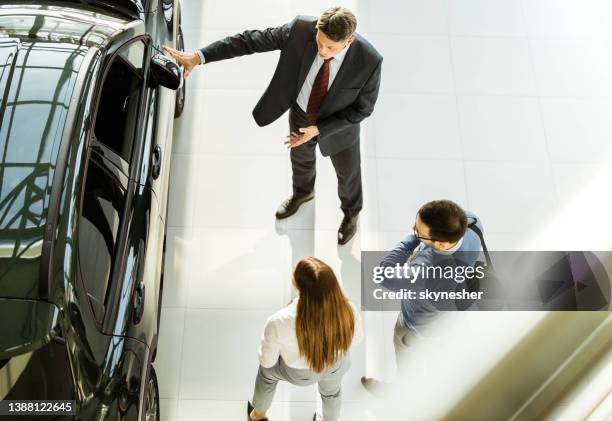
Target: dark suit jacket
pixel 350 99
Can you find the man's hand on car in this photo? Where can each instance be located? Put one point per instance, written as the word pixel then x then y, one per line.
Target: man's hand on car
pixel 187 60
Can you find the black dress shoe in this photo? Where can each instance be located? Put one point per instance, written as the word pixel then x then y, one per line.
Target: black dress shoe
pixel 291 205
pixel 347 229
pixel 249 410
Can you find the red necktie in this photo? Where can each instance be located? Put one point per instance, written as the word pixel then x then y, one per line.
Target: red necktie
pixel 319 90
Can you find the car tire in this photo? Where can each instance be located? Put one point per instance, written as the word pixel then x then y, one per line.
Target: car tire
pixel 151 397
pixel 179 103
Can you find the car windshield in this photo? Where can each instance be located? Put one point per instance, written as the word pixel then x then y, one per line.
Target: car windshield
pixel 37 81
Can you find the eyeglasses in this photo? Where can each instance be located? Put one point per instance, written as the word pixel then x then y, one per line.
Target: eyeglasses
pixel 416 234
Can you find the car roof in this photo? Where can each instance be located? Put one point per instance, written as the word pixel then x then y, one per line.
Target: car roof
pixel 42 48
pixel 131 9
pixel 41 52
pixel 67 24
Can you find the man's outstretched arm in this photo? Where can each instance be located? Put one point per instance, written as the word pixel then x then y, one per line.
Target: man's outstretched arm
pixel 247 42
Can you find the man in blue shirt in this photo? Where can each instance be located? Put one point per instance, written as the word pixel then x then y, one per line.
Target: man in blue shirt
pixel 441 237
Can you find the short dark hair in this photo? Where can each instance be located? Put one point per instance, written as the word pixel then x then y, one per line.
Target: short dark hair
pixel 337 23
pixel 446 220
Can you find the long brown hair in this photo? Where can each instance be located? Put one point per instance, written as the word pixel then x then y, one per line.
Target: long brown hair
pixel 325 322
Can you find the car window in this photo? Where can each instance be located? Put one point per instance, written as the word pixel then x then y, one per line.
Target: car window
pixel 117 114
pixel 134 55
pixel 99 223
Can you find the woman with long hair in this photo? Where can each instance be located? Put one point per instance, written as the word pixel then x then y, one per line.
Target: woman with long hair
pixel 308 341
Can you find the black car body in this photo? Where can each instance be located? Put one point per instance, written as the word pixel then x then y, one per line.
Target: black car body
pixel 85 144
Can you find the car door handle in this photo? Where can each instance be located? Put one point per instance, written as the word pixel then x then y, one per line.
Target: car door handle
pixel 156 160
pixel 139 302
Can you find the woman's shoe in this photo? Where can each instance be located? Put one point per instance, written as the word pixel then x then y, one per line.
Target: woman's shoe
pixel 376 387
pixel 250 409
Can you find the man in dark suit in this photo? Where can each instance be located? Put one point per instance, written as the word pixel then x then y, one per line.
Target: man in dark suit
pixel 327 94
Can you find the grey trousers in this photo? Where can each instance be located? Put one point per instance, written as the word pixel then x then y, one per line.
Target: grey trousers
pixel 402 339
pixel 329 381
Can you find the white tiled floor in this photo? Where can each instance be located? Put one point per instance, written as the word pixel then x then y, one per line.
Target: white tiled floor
pixel 503 106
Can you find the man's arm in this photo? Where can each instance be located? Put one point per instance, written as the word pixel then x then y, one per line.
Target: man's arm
pixel 400 254
pixel 247 42
pixel 356 112
pixel 402 251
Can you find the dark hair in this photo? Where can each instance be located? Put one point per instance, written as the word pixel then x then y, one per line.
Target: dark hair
pixel 445 219
pixel 337 23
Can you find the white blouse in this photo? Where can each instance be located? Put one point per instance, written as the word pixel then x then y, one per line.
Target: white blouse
pixel 279 338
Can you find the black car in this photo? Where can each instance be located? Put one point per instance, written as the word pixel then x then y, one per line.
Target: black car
pixel 86 118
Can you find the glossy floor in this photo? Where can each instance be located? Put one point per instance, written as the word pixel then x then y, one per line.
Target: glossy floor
pixel 502 106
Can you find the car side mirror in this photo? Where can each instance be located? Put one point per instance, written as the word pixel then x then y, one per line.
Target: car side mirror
pixel 165 72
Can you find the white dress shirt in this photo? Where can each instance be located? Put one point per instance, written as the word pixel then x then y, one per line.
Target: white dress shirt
pixel 279 338
pixel 418 249
pixel 451 250
pixel 334 66
pixel 202 58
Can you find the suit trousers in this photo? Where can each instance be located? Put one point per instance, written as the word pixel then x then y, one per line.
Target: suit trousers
pixel 329 382
pixel 347 164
